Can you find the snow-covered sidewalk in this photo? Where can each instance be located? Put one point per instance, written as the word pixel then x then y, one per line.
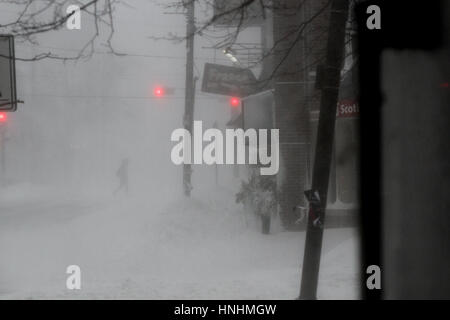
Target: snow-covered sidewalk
pixel 134 248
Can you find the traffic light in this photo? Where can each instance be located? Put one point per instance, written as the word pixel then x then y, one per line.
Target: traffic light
pixel 235 102
pixel 3 117
pixel 158 92
pixel 162 91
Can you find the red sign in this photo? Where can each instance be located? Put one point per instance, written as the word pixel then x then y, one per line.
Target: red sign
pixel 347 109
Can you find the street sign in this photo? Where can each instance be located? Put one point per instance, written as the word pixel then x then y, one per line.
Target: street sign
pixel 228 81
pixel 8 97
pixel 347 108
pixel 8 100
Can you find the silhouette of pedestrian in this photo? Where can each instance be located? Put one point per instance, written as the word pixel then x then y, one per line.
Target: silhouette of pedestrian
pixel 122 175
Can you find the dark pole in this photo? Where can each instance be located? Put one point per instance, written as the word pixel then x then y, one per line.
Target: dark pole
pixel 190 89
pixel 3 152
pixel 216 168
pixel 324 145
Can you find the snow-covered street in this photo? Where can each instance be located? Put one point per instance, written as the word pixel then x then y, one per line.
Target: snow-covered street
pixel 134 248
pixel 228 150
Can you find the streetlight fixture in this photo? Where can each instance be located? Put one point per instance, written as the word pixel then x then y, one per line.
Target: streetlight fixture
pixel 230 54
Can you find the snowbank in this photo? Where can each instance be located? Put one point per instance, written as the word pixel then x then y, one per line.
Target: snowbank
pixel 142 248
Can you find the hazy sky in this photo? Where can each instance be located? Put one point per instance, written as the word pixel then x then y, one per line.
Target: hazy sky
pixel 80 118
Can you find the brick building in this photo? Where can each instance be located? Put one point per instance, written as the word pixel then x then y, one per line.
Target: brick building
pixel 295 60
pixel 294 39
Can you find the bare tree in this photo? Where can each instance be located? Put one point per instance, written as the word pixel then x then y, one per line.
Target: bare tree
pixel 238 13
pixel 34 17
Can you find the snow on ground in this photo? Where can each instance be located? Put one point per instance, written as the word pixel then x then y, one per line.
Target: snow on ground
pixel 138 248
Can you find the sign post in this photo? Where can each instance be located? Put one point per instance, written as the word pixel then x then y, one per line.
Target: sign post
pixel 8 95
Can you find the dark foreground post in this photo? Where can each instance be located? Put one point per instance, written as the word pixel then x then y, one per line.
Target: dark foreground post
pixel 325 135
pixel 190 89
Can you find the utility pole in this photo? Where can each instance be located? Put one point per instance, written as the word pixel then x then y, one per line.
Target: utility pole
pixel 188 118
pixel 325 136
pixel 3 151
pixel 216 167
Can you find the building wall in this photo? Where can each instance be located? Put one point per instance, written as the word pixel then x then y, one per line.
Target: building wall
pixel 295 58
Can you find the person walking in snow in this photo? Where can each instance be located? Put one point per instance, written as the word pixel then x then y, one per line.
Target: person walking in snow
pixel 122 175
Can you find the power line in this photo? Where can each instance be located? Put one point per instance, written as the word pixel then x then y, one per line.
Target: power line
pixel 125 54
pixel 203 97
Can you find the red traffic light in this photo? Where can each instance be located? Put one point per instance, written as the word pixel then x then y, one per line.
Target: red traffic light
pixel 158 92
pixel 3 117
pixel 235 101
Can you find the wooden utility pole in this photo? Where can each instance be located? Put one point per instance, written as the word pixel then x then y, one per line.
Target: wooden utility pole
pixel 216 167
pixel 3 149
pixel 324 145
pixel 188 118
